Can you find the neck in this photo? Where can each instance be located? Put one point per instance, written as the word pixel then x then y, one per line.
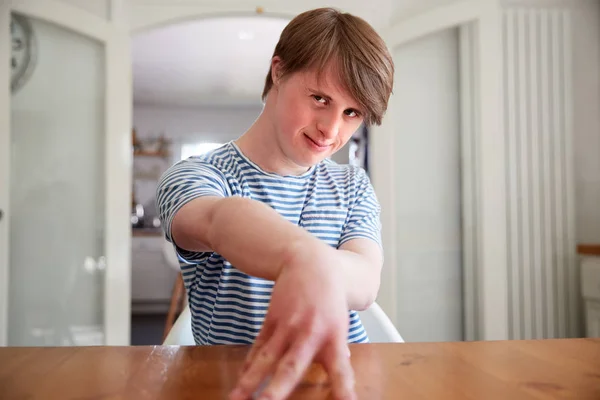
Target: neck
pixel 259 144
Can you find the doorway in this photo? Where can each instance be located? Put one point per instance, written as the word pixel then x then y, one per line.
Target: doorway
pixel 197 84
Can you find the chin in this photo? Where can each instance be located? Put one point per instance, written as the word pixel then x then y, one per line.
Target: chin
pixel 304 157
pixel 316 160
pixel 305 162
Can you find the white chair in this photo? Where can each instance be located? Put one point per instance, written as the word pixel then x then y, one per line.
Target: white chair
pixel 169 254
pixel 178 295
pixel 181 332
pixel 377 324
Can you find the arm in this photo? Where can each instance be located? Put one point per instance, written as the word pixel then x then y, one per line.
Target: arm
pixel 259 242
pixel 362 261
pixel 308 312
pixel 360 249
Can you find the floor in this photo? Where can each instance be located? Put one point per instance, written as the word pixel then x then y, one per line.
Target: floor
pixel 147 329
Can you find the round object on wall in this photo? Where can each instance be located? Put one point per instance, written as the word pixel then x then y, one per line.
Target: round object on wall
pixel 23 51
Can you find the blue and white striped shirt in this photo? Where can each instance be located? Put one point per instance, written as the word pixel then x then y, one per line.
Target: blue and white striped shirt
pixel 335 203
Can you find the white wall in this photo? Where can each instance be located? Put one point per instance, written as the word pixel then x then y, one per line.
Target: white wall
pixel 143 13
pixel 201 124
pixel 57 191
pixel 408 8
pixel 586 113
pixel 100 8
pixel 428 200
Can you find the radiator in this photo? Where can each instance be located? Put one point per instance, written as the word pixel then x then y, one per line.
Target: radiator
pixel 543 281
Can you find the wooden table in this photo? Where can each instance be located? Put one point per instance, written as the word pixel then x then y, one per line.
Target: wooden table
pixel 509 370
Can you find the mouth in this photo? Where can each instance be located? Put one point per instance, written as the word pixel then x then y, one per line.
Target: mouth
pixel 318 145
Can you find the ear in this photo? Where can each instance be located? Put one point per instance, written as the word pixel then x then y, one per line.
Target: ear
pixel 276 65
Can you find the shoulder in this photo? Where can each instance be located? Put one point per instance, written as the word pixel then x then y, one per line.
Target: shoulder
pixel 219 158
pixel 207 170
pixel 352 181
pixel 344 174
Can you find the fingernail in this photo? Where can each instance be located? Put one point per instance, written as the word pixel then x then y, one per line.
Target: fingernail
pixel 348 351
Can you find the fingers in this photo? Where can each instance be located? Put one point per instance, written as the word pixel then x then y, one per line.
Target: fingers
pixel 291 368
pixel 337 364
pixel 261 365
pixel 262 338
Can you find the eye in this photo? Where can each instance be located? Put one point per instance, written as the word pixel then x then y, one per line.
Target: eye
pixel 319 99
pixel 352 113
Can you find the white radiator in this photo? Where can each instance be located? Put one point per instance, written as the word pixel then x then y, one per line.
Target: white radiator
pixel 543 278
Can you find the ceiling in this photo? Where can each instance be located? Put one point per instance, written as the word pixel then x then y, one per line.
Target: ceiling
pixel 216 61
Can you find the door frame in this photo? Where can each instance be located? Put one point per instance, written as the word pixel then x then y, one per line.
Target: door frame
pixel 484 235
pixel 113 34
pixel 484 165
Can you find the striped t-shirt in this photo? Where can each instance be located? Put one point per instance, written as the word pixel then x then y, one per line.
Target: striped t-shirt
pixel 335 203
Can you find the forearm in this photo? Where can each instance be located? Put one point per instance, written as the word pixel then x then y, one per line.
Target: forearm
pixel 255 238
pixel 361 277
pixel 258 241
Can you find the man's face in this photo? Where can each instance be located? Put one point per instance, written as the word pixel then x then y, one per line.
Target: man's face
pixel 314 118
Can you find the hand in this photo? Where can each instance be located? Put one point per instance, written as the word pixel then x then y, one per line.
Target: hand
pixel 307 321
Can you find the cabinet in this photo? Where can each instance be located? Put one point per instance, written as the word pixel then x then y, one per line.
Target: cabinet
pixel 590 288
pixel 152 279
pixel 592 317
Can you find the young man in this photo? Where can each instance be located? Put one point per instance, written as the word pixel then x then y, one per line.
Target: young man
pixel 278 244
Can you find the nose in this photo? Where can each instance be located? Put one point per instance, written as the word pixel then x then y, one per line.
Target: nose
pixel 329 126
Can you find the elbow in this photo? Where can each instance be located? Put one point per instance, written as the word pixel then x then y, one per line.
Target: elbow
pixel 364 305
pixel 367 300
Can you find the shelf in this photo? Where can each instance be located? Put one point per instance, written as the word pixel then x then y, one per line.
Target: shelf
pixel 588 249
pixel 141 176
pixel 158 154
pixel 141 232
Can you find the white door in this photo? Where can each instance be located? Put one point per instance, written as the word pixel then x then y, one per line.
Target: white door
pixel 64 177
pixel 428 189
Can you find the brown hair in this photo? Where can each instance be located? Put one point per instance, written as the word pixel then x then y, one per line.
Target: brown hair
pixel 363 61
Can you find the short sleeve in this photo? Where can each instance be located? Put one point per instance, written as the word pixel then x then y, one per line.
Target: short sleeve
pixel 184 182
pixel 363 219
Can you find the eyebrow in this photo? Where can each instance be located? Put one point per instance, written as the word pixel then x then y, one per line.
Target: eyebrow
pixel 328 98
pixel 319 93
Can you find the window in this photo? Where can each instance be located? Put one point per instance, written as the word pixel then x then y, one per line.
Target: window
pixel 196 149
